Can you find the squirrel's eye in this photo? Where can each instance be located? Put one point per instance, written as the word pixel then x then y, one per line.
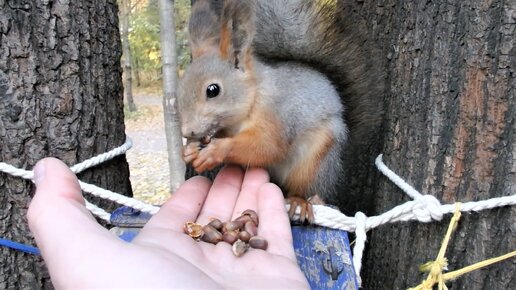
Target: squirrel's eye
pixel 212 91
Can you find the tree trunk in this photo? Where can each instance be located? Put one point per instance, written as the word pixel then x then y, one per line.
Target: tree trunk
pixel 169 60
pixel 126 47
pixel 449 131
pixel 60 95
pixel 137 72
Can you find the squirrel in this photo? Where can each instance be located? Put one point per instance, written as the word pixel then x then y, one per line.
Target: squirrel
pixel 279 84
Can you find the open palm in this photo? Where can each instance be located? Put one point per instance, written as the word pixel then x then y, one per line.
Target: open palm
pixel 81 254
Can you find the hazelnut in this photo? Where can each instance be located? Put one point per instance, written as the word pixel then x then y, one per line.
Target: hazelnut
pixel 251 228
pixel 211 235
pixel 258 242
pixel 216 223
pixel 244 236
pixel 234 226
pixel 205 140
pixel 230 237
pixel 239 248
pixel 252 214
pixel 244 219
pixel 192 229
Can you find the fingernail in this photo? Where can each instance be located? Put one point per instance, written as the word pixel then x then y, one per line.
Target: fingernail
pixel 39 172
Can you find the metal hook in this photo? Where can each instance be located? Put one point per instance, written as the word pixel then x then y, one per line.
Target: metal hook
pixel 332 264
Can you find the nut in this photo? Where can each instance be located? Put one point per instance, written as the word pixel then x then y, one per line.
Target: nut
pixel 241 233
pixel 239 248
pixel 252 214
pixel 192 229
pixel 234 225
pixel 205 140
pixel 211 235
pixel 230 237
pixel 244 219
pixel 251 228
pixel 258 242
pixel 216 223
pixel 244 236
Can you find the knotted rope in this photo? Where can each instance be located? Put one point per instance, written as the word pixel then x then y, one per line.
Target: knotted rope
pixel 423 208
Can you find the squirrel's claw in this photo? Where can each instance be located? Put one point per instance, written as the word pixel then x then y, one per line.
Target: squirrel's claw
pixel 306 210
pixel 211 156
pixel 191 151
pixel 203 164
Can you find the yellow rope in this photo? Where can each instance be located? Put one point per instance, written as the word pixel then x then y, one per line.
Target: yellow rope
pixel 435 268
pixel 455 274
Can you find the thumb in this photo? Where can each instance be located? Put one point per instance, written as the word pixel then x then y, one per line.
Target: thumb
pixel 54 179
pixel 57 210
pixel 55 183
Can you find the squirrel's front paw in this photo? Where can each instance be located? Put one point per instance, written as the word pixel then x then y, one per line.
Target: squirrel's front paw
pixel 191 151
pixel 211 156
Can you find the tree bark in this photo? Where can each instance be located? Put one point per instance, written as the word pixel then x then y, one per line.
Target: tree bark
pixel 60 95
pixel 137 72
pixel 169 60
pixel 128 58
pixel 449 130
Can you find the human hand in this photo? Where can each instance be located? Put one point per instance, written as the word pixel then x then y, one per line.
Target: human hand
pixel 81 254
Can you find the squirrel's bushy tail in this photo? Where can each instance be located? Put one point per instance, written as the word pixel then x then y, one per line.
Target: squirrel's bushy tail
pixel 318 33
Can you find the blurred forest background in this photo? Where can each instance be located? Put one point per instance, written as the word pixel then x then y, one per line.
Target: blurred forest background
pixel 145 45
pixel 143 92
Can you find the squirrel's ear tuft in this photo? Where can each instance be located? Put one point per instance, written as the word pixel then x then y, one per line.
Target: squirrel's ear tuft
pixel 204 27
pixel 237 31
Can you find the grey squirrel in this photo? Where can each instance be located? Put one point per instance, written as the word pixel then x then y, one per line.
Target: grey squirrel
pixel 278 84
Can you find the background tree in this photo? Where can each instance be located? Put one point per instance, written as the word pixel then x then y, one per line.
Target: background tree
pixel 144 38
pixel 169 60
pixel 60 95
pixel 125 13
pixel 449 130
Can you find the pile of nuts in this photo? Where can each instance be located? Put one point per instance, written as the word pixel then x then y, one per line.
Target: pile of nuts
pixel 241 233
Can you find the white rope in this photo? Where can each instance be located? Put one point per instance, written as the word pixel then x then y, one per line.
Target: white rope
pixel 358 250
pixel 90 188
pixel 118 198
pixel 395 178
pixel 97 211
pixel 103 157
pixel 11 170
pixel 423 208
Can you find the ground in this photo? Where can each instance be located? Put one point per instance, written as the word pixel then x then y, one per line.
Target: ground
pixel 148 158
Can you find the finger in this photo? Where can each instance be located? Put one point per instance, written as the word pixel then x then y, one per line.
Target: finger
pixel 222 196
pixel 183 206
pixel 254 178
pixel 57 212
pixel 274 222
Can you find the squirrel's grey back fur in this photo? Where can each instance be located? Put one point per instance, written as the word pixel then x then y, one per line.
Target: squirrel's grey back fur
pixel 303 36
pixel 304 102
pixel 317 33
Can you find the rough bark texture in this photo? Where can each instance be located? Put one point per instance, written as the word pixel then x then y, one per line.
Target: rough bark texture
pixel 449 130
pixel 60 95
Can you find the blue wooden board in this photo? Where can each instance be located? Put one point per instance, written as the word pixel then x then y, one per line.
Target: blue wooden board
pixel 323 254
